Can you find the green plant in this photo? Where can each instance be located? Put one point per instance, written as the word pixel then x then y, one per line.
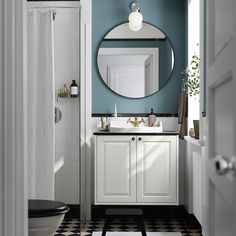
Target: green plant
pixel 191 77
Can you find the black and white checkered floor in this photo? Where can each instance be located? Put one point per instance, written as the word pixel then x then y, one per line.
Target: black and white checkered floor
pixel 72 227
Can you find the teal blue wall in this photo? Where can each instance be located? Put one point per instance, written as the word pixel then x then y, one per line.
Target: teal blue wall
pixel 170 17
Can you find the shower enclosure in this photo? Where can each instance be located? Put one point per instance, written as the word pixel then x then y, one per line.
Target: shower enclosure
pixel 53 62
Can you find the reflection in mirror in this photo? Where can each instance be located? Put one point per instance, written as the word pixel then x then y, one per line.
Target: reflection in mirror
pixel 135 64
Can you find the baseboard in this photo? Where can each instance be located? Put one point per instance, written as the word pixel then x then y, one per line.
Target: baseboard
pixel 148 211
pixel 74 211
pixel 163 212
pixel 192 221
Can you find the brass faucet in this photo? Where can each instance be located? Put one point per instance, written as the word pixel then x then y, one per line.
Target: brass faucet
pixel 136 122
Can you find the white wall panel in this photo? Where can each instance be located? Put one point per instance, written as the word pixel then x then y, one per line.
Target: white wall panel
pixel 66 37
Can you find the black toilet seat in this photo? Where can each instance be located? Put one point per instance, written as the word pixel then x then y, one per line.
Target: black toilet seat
pixel 44 208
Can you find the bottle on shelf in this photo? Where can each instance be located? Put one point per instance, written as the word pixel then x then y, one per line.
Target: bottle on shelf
pixel 74 89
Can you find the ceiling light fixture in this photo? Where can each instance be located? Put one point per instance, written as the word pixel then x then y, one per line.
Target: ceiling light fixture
pixel 135 17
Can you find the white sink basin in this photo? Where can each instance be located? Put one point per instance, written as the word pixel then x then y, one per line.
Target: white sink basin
pixel 142 129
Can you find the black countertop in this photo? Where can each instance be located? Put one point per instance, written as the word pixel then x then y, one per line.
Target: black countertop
pixel 135 133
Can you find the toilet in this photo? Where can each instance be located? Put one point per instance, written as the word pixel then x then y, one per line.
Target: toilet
pixel 45 216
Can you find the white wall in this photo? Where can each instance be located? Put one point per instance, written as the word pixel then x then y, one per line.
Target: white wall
pixel 193 47
pixel 191 146
pixel 194 149
pixel 66 36
pixel 194 178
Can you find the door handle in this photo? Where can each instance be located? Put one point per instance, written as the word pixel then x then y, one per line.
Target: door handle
pixel 133 139
pixel 139 139
pixel 224 165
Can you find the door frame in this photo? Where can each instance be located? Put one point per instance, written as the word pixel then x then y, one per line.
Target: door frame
pixel 13 119
pixel 202 115
pixel 85 109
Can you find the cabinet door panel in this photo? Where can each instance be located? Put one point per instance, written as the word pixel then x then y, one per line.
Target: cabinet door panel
pixel 115 169
pixel 157 170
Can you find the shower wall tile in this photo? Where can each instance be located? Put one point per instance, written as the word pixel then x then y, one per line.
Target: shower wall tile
pixel 62 180
pixel 68 123
pixel 69 168
pixel 66 55
pixel 71 195
pixel 64 78
pixel 66 138
pixel 65 181
pixel 68 153
pixel 68 46
pixel 66 66
pixel 68 107
pixel 69 18
pixel 71 35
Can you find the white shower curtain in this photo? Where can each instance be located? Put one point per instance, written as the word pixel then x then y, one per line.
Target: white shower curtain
pixel 41 104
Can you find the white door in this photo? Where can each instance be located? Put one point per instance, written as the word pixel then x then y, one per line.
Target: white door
pixel 115 169
pixel 157 170
pixel 221 118
pixel 151 75
pixel 127 80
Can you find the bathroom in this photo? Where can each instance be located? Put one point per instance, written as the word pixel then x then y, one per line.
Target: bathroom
pixel 169 183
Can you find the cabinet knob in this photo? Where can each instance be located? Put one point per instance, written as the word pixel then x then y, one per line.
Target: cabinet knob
pixel 133 138
pixel 139 139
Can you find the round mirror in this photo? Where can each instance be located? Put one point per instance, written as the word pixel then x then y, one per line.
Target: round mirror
pixel 135 64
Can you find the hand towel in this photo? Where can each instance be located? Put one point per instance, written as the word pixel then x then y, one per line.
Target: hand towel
pixel 181 115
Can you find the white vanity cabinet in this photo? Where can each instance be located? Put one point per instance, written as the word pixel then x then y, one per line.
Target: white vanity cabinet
pixel 136 169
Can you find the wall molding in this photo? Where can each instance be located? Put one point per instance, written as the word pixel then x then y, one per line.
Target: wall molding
pixel 13 126
pixel 134 114
pixel 85 108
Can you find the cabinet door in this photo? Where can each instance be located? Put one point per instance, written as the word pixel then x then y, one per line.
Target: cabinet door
pixel 115 169
pixel 157 170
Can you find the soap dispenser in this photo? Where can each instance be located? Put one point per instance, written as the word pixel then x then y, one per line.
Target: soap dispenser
pixel 151 119
pixel 74 89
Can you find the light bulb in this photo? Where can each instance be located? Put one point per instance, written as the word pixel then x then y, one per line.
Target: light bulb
pixel 135 18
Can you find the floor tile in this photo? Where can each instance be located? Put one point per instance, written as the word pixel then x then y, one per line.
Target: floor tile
pixel 72 227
